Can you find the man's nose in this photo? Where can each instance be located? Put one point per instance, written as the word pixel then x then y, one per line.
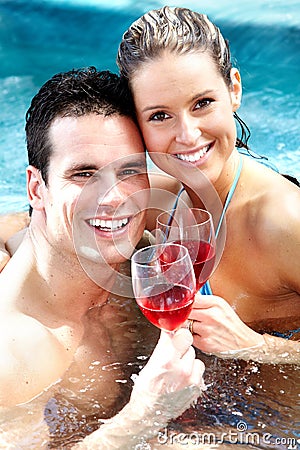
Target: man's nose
pixel 111 195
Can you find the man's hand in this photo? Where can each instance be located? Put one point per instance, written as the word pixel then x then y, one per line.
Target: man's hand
pixel 172 365
pixel 169 383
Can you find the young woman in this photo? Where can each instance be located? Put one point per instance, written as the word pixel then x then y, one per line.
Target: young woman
pixel 186 96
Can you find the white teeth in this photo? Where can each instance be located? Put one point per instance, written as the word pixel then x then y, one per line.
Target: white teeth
pixel 193 157
pixel 109 225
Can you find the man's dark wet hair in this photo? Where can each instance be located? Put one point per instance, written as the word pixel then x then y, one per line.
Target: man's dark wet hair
pixel 74 93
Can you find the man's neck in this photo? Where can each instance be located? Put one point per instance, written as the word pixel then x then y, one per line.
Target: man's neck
pixel 49 279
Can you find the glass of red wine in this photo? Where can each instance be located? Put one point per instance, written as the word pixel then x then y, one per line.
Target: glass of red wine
pixel 194 229
pixel 164 284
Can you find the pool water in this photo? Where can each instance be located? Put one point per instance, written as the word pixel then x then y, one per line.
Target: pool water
pixel 244 400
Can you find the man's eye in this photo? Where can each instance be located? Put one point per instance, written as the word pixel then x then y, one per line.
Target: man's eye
pixel 158 116
pixel 83 174
pixel 129 172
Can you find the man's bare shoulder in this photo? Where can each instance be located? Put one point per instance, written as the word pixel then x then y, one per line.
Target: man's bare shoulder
pixel 27 348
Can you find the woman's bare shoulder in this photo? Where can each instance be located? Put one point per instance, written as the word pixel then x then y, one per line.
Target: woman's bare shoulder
pixel 164 190
pixel 160 180
pixel 275 209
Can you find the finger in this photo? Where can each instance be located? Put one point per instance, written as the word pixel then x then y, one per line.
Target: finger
pixel 207 301
pixel 193 323
pixel 182 341
pixel 197 374
pixel 173 345
pixel 187 360
pixel 163 346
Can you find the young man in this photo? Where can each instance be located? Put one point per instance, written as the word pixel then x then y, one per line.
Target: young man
pixel 88 190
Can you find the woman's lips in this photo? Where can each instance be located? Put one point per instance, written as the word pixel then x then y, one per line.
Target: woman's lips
pixel 195 156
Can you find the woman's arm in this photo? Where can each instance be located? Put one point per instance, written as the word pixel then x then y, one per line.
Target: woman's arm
pixel 12 223
pixel 4 255
pixel 218 330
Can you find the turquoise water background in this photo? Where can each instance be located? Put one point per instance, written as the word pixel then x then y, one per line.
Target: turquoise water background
pixel 40 38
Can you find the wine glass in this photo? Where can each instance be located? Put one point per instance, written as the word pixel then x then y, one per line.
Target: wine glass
pixel 193 228
pixel 164 284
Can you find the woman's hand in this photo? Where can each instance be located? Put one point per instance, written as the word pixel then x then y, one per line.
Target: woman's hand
pixel 217 328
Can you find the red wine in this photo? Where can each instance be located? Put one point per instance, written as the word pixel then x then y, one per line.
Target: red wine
pixel 202 255
pixel 167 306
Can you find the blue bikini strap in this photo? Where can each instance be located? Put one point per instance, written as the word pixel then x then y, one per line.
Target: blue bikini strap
pixel 206 288
pixel 230 194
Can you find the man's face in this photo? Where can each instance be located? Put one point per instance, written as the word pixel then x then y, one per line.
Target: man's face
pixel 97 187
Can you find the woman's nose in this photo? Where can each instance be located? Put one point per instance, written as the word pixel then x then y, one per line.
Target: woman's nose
pixel 188 131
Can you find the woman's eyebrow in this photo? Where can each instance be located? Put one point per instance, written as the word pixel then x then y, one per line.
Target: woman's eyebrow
pixel 200 94
pixel 149 108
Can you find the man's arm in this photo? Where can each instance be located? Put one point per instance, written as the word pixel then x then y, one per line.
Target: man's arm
pixel 169 383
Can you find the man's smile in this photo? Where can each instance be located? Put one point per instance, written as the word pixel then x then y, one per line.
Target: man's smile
pixel 109 224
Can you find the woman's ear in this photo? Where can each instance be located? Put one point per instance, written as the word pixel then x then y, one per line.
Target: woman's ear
pixel 236 89
pixel 35 187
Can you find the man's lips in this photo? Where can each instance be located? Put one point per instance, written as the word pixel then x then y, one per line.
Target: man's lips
pixel 109 225
pixel 194 156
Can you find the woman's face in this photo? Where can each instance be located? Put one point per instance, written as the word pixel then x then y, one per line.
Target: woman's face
pixel 185 110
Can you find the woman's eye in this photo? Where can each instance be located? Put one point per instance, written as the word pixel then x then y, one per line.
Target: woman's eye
pixel 159 116
pixel 203 103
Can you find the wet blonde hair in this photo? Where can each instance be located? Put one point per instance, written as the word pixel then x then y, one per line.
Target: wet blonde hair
pixel 178 30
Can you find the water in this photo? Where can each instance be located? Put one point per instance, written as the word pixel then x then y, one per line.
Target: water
pixel 40 38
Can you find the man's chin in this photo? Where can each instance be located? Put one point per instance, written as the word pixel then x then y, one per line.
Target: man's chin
pixel 116 255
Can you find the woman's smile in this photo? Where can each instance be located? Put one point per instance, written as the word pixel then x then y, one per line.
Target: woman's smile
pixel 194 156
